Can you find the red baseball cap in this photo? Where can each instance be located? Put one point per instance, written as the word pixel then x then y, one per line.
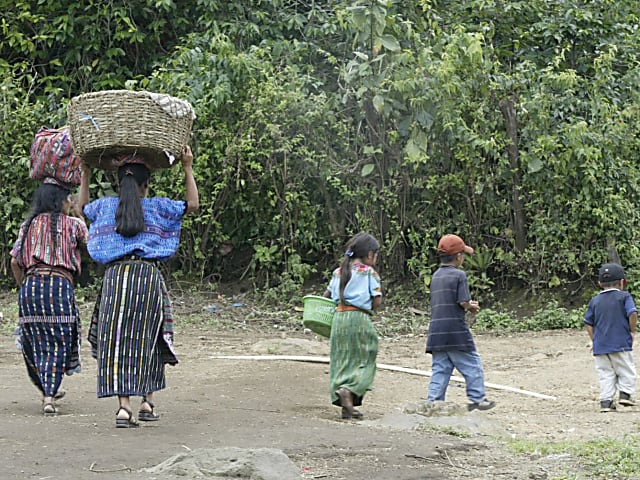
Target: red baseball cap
pixel 452 245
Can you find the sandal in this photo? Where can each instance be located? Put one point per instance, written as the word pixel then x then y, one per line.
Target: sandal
pixel 60 394
pixel 145 415
pixel 346 399
pixel 49 409
pixel 129 422
pixel 353 414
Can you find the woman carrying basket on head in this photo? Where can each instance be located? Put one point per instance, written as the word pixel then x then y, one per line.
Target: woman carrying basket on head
pixel 355 288
pixel 45 259
pixel 132 326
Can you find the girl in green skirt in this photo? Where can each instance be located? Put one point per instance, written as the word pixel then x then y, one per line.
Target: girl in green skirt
pixel 355 288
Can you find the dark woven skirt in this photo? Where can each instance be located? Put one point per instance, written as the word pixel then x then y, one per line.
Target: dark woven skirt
pixel 132 330
pixel 354 349
pixel 49 331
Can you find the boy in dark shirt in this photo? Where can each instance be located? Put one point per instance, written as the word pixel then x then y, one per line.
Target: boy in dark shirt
pixel 449 340
pixel 610 320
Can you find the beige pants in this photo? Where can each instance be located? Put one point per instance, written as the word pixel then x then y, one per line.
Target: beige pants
pixel 616 371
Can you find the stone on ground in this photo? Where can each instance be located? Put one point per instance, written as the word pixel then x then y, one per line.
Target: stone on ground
pixel 230 462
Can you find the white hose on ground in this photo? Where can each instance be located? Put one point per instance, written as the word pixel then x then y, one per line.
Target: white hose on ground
pixel 381 366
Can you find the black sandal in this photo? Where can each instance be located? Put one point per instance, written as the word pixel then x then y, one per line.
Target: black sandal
pixel 129 422
pixel 353 414
pixel 144 415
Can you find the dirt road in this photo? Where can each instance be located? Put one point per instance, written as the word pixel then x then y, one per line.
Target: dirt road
pixel 212 403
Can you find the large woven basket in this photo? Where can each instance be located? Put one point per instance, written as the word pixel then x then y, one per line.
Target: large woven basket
pixel 114 122
pixel 318 313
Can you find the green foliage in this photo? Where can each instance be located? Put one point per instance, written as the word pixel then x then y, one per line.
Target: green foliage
pixel 264 163
pixel 550 317
pixel 490 320
pixel 603 458
pixel 480 282
pixel 617 457
pixel 514 124
pixel 20 122
pixel 70 47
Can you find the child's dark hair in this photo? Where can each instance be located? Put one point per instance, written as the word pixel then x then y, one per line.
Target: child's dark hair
pixel 445 258
pixel 358 247
pixel 610 284
pixel 48 198
pixel 129 214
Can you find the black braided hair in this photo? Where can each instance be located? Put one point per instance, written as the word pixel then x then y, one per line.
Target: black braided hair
pixel 129 214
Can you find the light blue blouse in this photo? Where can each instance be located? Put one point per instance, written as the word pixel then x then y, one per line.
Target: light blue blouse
pixel 362 286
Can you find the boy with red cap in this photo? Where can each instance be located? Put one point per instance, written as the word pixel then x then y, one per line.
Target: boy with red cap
pixel 610 320
pixel 449 340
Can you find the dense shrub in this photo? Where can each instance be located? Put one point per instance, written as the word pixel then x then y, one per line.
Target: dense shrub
pixel 517 130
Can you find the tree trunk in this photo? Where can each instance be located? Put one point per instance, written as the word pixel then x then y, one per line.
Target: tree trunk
pixel 612 252
pixel 517 207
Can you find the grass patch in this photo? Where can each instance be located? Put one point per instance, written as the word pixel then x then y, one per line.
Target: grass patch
pixel 602 459
pixel 451 431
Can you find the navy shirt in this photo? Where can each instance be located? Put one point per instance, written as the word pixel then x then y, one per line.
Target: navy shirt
pixel 447 328
pixel 608 314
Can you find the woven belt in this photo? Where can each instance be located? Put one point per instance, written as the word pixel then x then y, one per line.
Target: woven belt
pixel 134 258
pixel 47 270
pixel 351 308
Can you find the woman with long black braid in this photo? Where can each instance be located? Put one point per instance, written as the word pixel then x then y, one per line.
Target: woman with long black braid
pixel 45 260
pixel 132 327
pixel 355 288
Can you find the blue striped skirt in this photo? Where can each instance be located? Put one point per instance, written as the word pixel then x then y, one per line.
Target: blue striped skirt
pixel 132 330
pixel 49 331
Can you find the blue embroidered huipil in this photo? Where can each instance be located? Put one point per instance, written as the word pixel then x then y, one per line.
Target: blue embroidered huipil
pixel 158 241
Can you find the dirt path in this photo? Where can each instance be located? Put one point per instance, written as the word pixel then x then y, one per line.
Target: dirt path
pixel 213 403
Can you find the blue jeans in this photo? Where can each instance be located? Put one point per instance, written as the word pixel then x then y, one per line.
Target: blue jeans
pixel 467 363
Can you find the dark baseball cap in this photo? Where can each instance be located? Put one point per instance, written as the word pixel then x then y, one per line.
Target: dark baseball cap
pixel 610 272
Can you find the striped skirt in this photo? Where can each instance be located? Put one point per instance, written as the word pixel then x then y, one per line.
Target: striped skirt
pixel 132 330
pixel 354 348
pixel 49 331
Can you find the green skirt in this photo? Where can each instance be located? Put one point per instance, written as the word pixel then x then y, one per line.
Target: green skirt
pixel 354 348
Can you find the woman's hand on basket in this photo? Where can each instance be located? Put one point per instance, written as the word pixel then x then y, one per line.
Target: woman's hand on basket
pixel 85 169
pixel 187 157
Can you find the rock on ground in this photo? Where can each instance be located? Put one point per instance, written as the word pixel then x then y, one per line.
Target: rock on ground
pixel 241 463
